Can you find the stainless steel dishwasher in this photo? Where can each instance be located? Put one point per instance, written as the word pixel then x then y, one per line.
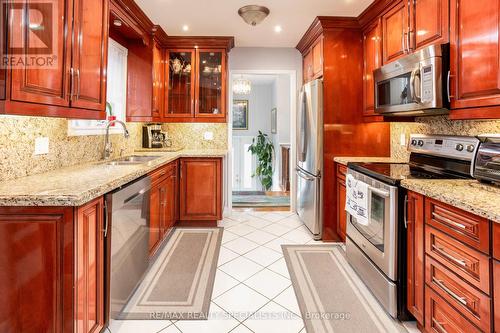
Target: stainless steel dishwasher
pixel 127 232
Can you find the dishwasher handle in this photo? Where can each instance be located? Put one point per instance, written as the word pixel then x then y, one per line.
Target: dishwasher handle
pixel 106 218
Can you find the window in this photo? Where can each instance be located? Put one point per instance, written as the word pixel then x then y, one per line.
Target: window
pixel 116 95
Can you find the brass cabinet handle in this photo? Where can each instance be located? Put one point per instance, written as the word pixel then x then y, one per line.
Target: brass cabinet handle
pixel 441 284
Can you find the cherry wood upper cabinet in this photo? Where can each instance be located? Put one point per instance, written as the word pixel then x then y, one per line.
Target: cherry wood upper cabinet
pixel 47 85
pixel 200 189
pixel 317 58
pixel 89 268
pixel 307 67
pixel 158 81
pixel 211 84
pixel 429 22
pixel 180 85
pixel 90 54
pixel 475 59
pixel 312 62
pixel 415 255
pixel 372 49
pixel 72 83
pixel 394 30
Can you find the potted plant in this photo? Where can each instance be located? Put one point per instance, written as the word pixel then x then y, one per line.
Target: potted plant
pixel 263 147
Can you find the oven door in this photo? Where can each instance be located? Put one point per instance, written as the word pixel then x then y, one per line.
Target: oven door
pixel 378 238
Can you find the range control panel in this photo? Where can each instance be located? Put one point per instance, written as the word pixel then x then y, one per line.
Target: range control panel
pixel 458 147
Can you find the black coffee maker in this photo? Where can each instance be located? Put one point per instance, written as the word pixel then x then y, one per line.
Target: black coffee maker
pixel 152 136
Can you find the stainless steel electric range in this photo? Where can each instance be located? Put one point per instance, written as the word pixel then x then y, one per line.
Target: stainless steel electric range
pixel 377 249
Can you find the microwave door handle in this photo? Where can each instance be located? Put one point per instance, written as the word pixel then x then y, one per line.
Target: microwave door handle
pixel 414 97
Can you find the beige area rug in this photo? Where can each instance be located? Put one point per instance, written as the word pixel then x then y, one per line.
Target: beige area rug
pixel 331 297
pixel 179 283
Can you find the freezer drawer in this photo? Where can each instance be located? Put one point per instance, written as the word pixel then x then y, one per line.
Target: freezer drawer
pixel 309 201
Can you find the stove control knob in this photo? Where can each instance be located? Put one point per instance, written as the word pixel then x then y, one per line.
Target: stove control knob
pixel 459 147
pixel 413 142
pixel 421 143
pixel 470 148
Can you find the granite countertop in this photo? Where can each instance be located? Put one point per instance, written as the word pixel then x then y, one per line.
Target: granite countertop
pixel 469 195
pixel 346 159
pixel 77 185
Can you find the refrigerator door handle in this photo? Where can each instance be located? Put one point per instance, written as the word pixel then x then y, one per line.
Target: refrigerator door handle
pixel 303 128
pixel 302 175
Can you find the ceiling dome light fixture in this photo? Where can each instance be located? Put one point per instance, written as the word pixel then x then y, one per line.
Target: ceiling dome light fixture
pixel 253 14
pixel 242 86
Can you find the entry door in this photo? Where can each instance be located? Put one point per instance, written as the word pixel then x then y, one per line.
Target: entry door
pixel 244 164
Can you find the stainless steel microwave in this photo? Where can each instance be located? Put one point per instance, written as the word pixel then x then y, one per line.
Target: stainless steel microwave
pixel 417 84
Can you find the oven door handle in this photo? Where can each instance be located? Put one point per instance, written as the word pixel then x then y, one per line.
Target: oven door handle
pixel 380 192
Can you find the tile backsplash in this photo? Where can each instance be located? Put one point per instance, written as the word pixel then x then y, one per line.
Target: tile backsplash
pixel 438 125
pixel 18 134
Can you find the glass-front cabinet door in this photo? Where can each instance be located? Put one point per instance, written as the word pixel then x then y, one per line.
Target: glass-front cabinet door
pixel 181 83
pixel 211 87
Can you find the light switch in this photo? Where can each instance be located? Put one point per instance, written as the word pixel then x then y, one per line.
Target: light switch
pixel 209 136
pixel 402 140
pixel 41 146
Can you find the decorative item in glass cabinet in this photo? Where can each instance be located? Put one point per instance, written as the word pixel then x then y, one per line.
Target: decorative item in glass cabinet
pixel 242 86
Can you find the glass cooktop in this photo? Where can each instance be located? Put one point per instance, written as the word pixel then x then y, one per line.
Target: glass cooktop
pixel 393 173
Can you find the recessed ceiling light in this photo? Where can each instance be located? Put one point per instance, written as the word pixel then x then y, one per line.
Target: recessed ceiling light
pixel 185 27
pixel 278 29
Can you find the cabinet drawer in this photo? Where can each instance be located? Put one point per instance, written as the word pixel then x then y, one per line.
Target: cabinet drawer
pixel 468 228
pixel 341 171
pixel 440 317
pixel 162 172
pixel 496 241
pixel 469 264
pixel 471 303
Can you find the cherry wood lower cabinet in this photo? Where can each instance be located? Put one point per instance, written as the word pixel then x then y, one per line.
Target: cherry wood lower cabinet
pixel 341 197
pixel 440 317
pixel 496 294
pixel 89 267
pixel 51 269
pixel 415 255
pixel 452 285
pixel 163 204
pixel 200 189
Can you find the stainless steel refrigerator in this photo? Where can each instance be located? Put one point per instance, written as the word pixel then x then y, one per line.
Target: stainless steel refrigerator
pixel 309 166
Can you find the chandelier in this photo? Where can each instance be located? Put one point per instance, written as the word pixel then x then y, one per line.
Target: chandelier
pixel 242 86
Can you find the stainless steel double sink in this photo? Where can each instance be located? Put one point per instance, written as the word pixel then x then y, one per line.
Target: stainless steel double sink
pixel 133 159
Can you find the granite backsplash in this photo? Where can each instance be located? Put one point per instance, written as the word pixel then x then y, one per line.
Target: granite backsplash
pixel 437 125
pixel 18 134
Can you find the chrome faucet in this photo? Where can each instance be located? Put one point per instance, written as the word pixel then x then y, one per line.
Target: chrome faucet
pixel 108 146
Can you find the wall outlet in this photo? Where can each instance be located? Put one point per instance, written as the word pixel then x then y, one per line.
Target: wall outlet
pixel 208 136
pixel 41 146
pixel 402 140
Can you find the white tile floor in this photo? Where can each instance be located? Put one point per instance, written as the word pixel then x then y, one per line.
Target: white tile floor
pixel 252 289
